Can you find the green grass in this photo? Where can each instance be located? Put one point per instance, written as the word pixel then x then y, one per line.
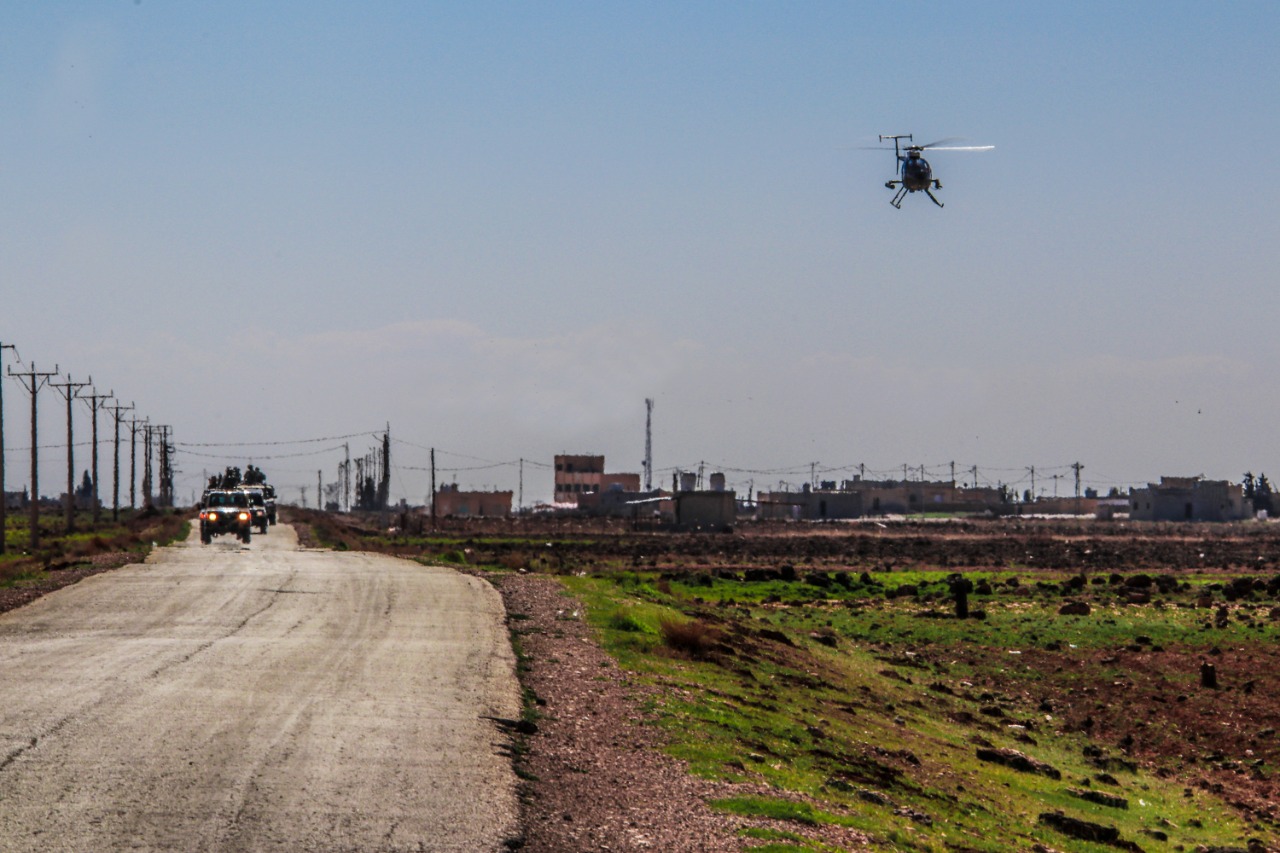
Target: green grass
pixel 881 727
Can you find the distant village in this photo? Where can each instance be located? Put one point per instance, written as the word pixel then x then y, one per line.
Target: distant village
pixel 583 485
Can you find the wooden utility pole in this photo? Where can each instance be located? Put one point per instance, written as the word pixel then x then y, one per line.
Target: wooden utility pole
pixel 33 380
pixel 384 481
pixel 69 390
pixel 117 415
pixel 165 497
pixel 433 488
pixel 146 466
pixel 319 489
pixel 4 520
pixel 346 476
pixel 96 401
pixel 133 459
pixel 1077 466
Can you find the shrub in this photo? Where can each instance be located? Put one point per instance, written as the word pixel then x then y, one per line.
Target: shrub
pixel 695 638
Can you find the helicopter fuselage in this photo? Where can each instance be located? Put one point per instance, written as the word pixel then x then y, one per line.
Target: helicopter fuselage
pixel 916 172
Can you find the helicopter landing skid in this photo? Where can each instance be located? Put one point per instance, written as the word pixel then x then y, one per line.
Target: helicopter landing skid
pixel 896 201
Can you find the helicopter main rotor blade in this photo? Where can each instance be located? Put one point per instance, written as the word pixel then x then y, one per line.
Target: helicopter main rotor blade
pixel 961 147
pixel 946 141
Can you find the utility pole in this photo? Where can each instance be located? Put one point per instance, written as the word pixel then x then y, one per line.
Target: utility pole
pixel 346 476
pixel 33 380
pixel 1032 469
pixel 69 391
pixel 117 416
pixel 146 466
pixel 319 489
pixel 4 521
pixel 384 482
pixel 520 500
pixel 133 459
pixel 95 401
pixel 975 476
pixel 1077 466
pixel 433 488
pixel 166 467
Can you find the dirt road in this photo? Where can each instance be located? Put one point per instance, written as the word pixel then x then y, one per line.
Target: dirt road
pixel 242 698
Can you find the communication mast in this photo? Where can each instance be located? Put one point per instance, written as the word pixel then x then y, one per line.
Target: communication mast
pixel 648 444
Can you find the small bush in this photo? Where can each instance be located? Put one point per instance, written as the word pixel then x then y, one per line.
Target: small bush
pixel 695 638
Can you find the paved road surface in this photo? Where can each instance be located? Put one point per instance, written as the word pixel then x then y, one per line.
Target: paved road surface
pixel 242 698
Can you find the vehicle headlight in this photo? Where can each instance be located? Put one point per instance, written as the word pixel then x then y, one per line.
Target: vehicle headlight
pixel 213 516
pixel 244 516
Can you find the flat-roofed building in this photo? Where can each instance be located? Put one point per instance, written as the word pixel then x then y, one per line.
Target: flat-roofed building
pixel 1189 499
pixel 585 475
pixel 452 501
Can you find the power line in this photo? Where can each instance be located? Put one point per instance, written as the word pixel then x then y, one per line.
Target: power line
pixel 255 457
pixel 370 433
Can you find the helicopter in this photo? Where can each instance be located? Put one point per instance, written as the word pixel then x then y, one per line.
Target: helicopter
pixel 914 172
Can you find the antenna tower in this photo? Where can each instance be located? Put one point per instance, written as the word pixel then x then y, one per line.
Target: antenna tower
pixel 648 444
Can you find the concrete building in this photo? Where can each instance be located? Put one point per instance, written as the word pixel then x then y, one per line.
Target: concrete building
pixel 706 510
pixel 452 501
pixel 1189 499
pixel 856 498
pixel 618 503
pixel 585 475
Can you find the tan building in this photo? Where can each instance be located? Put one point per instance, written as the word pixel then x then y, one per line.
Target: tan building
pixel 585 475
pixel 452 501
pixel 1189 499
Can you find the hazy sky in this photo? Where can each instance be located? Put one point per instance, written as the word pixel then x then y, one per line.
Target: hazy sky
pixel 499 227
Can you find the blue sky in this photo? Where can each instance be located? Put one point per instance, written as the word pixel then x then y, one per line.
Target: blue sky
pixel 500 227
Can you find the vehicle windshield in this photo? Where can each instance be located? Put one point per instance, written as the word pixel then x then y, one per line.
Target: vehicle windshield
pixel 256 499
pixel 227 499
